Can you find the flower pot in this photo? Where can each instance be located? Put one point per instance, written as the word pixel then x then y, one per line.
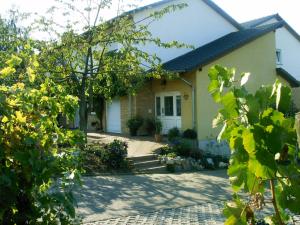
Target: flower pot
pixel 157 137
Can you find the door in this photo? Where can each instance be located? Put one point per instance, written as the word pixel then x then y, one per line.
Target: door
pixel 168 110
pixel 113 118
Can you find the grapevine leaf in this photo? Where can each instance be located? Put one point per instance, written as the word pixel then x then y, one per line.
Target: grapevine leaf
pixel 245 77
pixel 249 142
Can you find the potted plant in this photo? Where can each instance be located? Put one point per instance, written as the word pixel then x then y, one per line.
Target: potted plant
pixel 150 126
pixel 158 129
pixel 134 124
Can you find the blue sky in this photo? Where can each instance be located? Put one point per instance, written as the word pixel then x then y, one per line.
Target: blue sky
pixel 241 10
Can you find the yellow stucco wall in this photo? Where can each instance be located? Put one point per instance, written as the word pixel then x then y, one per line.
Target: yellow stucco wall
pixel 257 57
pixel 296 97
pixel 186 96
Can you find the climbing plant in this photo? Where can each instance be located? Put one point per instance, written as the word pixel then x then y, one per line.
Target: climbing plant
pixel 39 161
pixel 263 141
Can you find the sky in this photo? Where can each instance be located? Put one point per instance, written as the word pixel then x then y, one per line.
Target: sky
pixel 240 10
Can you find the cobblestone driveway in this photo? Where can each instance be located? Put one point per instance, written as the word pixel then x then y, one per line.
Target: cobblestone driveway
pixel 208 214
pixel 104 197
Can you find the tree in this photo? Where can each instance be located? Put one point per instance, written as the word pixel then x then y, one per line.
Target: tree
pixel 105 60
pixel 12 37
pixel 38 160
pixel 263 141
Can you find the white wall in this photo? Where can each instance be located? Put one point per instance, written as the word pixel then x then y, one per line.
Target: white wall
pixel 290 51
pixel 197 24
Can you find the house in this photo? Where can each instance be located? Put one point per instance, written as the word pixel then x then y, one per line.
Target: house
pixel 262 47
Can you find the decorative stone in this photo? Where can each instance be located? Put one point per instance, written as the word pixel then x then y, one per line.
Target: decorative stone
pixel 223 165
pixel 170 162
pixel 210 161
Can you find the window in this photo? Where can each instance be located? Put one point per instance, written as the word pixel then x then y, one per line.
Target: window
pixel 169 106
pixel 178 105
pixel 158 107
pixel 278 57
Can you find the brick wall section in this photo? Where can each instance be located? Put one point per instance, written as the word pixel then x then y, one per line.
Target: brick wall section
pixel 124 104
pixel 144 102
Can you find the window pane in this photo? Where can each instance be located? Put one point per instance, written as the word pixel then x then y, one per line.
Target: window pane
pixel 158 107
pixel 169 110
pixel 178 105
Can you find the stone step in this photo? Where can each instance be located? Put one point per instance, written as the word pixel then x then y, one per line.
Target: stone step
pixel 143 158
pixel 156 169
pixel 147 164
pixel 94 136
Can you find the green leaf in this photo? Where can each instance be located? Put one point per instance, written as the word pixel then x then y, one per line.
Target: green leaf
pixel 245 77
pixel 14 61
pixel 249 142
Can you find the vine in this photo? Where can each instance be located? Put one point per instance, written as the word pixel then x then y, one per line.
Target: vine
pixel 263 140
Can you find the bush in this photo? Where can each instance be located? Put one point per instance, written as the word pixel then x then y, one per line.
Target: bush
pixel 91 159
pixel 172 155
pixel 37 175
pixel 99 158
pixel 189 134
pixel 114 154
pixel 173 134
pixel 165 150
pixel 182 148
pixel 150 126
pixel 196 154
pixel 134 124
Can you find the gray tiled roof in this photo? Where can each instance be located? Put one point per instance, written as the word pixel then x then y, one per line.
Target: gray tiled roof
pixel 288 77
pixel 214 50
pixel 256 22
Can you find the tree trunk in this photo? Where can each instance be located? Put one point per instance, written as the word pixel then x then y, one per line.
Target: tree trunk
pixel 83 107
pixel 83 115
pixel 99 106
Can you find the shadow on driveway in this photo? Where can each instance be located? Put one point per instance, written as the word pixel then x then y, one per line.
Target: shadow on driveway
pixel 114 196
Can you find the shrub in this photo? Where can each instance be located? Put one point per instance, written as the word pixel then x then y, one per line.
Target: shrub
pixel 114 154
pixel 171 155
pixel 189 134
pixel 150 126
pixel 37 175
pixel 134 124
pixel 165 150
pixel 182 148
pixel 99 157
pixel 196 154
pixel 173 134
pixel 91 158
pixel 158 126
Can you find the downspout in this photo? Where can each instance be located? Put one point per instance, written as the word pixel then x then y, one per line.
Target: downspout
pixel 130 106
pixel 193 100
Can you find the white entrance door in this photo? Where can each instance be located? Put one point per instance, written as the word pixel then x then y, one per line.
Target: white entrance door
pixel 168 110
pixel 113 116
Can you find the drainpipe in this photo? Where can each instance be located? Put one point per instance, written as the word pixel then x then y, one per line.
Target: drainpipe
pixel 130 106
pixel 193 100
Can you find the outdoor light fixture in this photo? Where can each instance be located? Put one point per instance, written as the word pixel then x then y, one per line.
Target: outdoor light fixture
pixel 186 96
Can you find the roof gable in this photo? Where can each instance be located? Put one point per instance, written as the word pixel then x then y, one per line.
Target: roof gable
pixel 218 48
pixel 210 3
pixel 260 21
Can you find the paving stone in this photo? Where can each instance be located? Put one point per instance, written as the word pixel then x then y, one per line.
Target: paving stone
pixel 204 214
